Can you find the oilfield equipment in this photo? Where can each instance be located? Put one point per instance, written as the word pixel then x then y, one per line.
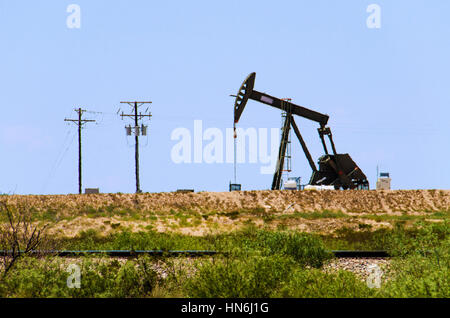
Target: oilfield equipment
pixel 338 170
pixel 292 183
pixel 287 166
pixel 383 181
pixel 235 187
pixel 92 191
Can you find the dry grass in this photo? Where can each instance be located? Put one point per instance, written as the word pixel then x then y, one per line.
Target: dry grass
pixel 204 213
pixel 302 201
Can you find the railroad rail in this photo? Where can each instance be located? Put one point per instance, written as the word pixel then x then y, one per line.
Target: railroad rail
pixel 190 253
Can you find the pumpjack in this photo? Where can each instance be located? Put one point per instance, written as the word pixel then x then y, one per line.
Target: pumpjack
pixel 338 170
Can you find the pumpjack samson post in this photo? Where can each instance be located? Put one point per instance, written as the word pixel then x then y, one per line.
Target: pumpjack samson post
pixel 338 170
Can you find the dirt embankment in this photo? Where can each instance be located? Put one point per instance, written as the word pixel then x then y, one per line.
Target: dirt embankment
pixel 390 202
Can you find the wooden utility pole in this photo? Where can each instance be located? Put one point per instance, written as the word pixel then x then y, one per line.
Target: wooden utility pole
pixel 137 132
pixel 80 122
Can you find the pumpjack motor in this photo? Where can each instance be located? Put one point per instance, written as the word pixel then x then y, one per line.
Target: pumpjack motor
pixel 338 170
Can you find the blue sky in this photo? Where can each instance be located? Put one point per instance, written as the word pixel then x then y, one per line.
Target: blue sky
pixel 385 90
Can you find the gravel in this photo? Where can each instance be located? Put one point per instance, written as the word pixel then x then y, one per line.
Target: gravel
pixel 361 267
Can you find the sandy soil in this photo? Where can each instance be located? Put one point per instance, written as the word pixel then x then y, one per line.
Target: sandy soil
pixel 209 212
pixel 271 201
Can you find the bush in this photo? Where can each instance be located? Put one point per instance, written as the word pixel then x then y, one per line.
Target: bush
pixel 127 240
pixel 420 276
pixel 253 277
pixel 399 241
pixel 317 284
pixel 425 237
pixel 32 277
pixel 305 249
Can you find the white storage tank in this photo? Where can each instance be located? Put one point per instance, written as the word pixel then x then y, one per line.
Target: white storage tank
pixel 290 185
pixel 319 187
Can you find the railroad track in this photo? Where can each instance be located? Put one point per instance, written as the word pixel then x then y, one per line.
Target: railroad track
pixel 190 253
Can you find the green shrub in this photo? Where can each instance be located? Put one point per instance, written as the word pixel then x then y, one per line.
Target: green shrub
pixel 33 278
pixel 420 276
pixel 325 214
pixel 305 249
pixel 314 283
pixel 424 237
pixel 252 277
pixel 399 241
pixel 127 240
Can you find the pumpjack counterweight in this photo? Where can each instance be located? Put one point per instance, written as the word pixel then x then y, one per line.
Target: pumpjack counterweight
pixel 338 170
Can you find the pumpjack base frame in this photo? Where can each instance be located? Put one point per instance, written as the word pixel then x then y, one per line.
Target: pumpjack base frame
pixel 328 174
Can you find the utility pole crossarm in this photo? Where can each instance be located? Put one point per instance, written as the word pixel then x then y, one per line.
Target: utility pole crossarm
pixel 139 115
pixel 132 115
pixel 140 103
pixel 82 121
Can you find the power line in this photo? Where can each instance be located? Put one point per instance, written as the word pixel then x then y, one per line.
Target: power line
pixel 80 122
pixel 137 131
pixel 58 159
